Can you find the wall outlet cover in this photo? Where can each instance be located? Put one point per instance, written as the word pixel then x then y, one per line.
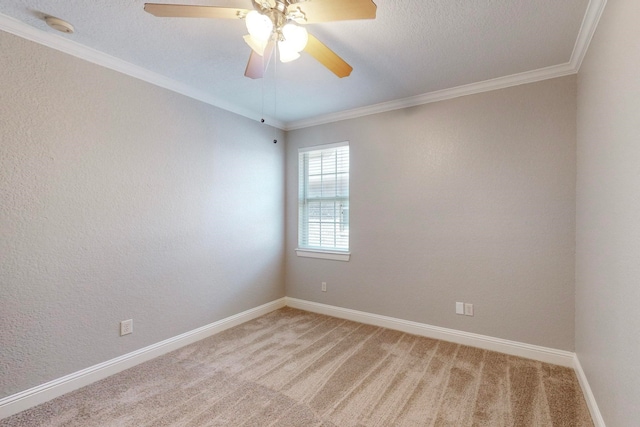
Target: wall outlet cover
pixel 126 327
pixel 468 309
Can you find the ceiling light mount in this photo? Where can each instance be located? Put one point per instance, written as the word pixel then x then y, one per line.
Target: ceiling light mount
pixel 271 22
pixel 59 24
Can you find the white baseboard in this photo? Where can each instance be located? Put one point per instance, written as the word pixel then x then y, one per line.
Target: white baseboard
pixel 596 416
pixel 514 348
pixel 18 402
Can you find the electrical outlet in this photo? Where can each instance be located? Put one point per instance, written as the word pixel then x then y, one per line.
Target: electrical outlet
pixel 324 286
pixel 459 308
pixel 126 327
pixel 468 309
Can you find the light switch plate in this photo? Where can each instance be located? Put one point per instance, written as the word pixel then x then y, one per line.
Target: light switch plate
pixel 468 309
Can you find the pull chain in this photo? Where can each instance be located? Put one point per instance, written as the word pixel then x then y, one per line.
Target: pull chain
pixel 262 90
pixel 275 91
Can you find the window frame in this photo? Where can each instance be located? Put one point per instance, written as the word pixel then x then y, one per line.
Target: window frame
pixel 319 252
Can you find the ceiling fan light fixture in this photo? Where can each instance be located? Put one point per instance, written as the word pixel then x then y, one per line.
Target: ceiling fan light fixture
pixel 259 26
pixel 295 36
pixel 272 26
pixel 286 51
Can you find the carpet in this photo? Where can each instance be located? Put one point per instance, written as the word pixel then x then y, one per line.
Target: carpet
pixel 295 368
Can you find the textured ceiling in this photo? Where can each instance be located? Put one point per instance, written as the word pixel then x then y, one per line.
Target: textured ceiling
pixel 413 47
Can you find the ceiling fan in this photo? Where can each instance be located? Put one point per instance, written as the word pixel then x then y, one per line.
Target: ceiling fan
pixel 277 22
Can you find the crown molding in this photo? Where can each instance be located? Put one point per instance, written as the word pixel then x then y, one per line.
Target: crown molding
pixel 65 45
pixel 440 95
pixel 590 21
pixel 587 30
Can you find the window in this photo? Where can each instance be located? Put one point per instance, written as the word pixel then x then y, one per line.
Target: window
pixel 323 201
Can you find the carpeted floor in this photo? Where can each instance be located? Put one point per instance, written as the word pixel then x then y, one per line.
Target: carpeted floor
pixel 294 368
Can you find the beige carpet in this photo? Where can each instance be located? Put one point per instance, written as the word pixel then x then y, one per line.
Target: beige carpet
pixel 294 368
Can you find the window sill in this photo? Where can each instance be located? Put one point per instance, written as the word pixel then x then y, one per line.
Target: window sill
pixel 334 256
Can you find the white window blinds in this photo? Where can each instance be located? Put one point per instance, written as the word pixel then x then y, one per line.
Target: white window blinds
pixel 323 197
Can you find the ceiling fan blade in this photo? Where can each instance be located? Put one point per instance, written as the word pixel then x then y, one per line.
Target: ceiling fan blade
pixel 257 64
pixel 254 68
pixel 334 10
pixel 327 57
pixel 188 11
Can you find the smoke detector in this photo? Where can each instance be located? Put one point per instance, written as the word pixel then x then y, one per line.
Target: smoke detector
pixel 59 24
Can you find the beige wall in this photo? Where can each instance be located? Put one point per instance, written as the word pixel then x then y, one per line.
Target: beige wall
pixel 608 214
pixel 471 199
pixel 123 200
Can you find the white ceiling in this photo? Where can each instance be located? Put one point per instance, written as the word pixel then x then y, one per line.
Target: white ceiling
pixel 413 51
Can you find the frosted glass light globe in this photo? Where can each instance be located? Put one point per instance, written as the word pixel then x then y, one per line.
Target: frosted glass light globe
pixel 287 53
pixel 295 36
pixel 260 26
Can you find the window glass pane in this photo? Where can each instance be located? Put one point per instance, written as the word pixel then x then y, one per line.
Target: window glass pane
pixel 329 162
pixel 328 212
pixel 342 186
pixel 315 186
pixel 327 236
pixel 314 234
pixel 323 206
pixel 314 211
pixel 328 186
pixel 343 163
